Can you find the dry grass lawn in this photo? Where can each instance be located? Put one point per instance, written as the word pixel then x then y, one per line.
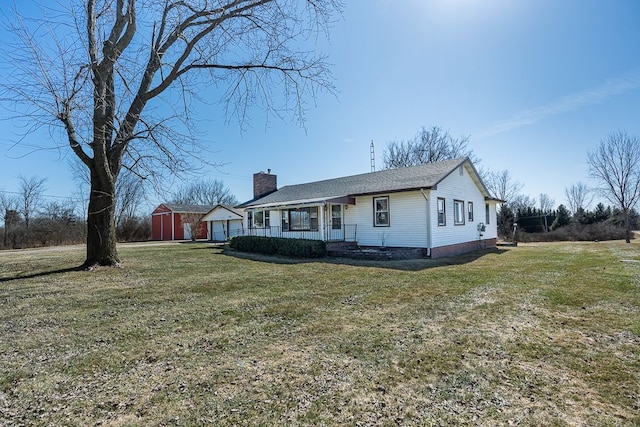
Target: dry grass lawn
pixel 541 334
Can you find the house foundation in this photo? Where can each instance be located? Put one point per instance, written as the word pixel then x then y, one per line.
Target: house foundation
pixel 461 248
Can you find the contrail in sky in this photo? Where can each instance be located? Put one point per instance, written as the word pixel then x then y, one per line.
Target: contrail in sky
pixel 567 103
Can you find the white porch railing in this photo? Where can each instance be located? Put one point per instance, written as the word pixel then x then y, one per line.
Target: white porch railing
pixel 346 233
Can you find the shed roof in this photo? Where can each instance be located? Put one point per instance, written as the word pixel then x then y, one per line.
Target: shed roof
pixel 184 208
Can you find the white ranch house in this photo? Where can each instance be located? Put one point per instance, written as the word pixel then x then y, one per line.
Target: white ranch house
pixel 443 208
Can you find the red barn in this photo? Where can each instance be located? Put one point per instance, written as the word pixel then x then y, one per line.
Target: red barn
pixel 171 221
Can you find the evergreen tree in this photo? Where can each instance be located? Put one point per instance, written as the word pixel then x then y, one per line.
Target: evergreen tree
pixel 563 217
pixel 600 214
pixel 505 221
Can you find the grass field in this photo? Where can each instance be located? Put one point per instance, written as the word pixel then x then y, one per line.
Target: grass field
pixel 544 334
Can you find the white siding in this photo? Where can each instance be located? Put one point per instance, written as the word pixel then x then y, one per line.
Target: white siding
pixel 220 214
pixel 463 188
pixel 407 221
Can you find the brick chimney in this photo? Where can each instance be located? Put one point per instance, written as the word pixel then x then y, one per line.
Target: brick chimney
pixel 264 183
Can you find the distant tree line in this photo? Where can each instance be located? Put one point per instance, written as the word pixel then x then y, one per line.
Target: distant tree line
pixel 614 164
pixel 28 218
pixel 533 224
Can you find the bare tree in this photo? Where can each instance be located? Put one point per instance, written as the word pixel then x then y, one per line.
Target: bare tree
pixel 427 146
pixel 546 207
pixel 101 70
pixel 546 203
pixel 56 224
pixel 615 163
pixel 502 185
pixel 130 192
pixel 30 198
pixel 521 202
pixel 578 196
pixel 8 212
pixel 191 221
pixel 208 192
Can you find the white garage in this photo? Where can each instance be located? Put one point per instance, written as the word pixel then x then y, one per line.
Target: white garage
pixel 224 222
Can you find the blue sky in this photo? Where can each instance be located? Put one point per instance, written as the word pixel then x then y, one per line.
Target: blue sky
pixel 536 84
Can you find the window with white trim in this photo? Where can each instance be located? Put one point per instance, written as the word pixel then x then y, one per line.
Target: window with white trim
pixel 258 219
pixel 381 211
pixel 470 210
pixel 458 212
pixel 442 217
pixel 487 213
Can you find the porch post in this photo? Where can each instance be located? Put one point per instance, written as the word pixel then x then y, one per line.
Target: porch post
pixel 321 223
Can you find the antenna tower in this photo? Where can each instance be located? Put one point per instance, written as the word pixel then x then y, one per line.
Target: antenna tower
pixel 372 151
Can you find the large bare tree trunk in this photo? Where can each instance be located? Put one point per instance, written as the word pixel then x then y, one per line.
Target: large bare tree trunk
pixel 101 228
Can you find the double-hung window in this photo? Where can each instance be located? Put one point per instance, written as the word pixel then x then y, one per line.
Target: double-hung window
pixel 470 209
pixel 442 217
pixel 381 212
pixel 258 219
pixel 458 212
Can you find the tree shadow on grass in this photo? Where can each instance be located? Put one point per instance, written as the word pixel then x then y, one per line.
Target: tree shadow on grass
pixel 40 274
pixel 404 265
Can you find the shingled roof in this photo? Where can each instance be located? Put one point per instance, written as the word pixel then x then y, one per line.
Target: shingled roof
pixel 385 181
pixel 182 208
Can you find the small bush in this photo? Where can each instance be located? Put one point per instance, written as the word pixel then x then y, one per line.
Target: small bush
pixel 299 248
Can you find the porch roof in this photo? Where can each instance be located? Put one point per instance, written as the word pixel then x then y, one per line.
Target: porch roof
pixel 303 202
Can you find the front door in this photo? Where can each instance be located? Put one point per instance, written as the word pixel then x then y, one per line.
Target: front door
pixel 335 223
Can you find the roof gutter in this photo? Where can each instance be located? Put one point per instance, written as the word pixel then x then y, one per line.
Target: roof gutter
pixel 428 222
pixel 280 206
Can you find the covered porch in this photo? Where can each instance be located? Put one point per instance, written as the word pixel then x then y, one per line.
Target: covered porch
pixel 316 219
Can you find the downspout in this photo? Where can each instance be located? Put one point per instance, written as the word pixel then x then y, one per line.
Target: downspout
pixel 428 222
